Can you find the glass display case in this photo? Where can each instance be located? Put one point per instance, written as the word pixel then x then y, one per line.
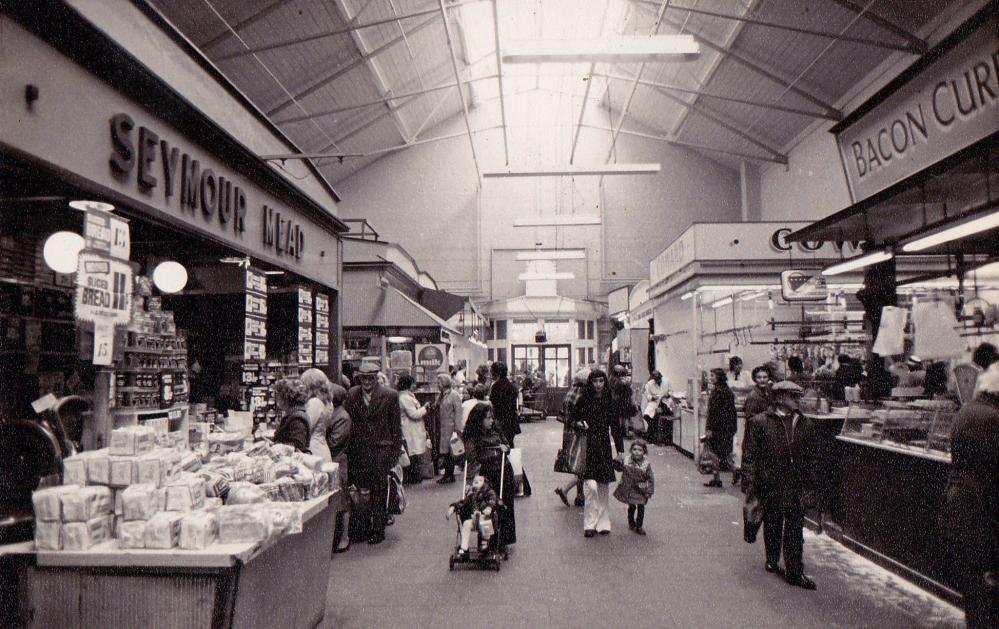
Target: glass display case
pixel 918 425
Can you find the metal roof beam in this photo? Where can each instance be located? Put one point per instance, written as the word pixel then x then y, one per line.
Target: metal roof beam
pixel 726 51
pixel 732 99
pixel 371 153
pixel 916 44
pixel 380 83
pixel 384 100
pixel 461 92
pixel 876 43
pixel 342 70
pixel 690 145
pixel 586 93
pixel 339 31
pixel 253 18
pixel 499 76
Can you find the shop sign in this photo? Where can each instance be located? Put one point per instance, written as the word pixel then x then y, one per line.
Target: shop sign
pixel 780 244
pixel 103 289
pixel 673 258
pixel 950 105
pixel 430 358
pixel 255 316
pixel 195 191
pixel 107 233
pixel 797 285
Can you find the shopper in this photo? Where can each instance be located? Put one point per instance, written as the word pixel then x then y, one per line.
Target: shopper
pixel 972 504
pixel 476 510
pixel 448 424
pixel 722 424
pixel 319 409
pixel 337 436
pixel 414 431
pixel 579 380
pixel 850 373
pixel 485 447
pixel 737 376
pixel 290 396
pixel 376 438
pixel 594 413
pixel 482 376
pixel 780 467
pixel 637 485
pixel 797 374
pixel 760 398
pixel 478 393
pixel 985 354
pixel 346 375
pixel 652 397
pixel 621 398
pixel 503 396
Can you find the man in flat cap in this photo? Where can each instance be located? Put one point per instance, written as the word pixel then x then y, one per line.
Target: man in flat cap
pixel 780 465
pixel 375 441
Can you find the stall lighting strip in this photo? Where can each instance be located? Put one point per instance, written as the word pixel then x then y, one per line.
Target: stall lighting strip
pixel 722 302
pixel 687 295
pixel 956 232
pixel 626 49
pixel 859 262
pixel 577 171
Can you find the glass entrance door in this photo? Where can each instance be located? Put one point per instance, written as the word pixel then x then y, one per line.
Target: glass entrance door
pixel 553 360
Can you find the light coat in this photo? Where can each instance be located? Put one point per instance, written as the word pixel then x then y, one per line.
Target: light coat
pixel 638 483
pixel 413 429
pixel 448 418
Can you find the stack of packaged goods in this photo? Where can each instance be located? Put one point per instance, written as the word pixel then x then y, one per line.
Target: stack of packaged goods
pixel 149 496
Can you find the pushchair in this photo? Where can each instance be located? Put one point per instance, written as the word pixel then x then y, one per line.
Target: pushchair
pixel 495 553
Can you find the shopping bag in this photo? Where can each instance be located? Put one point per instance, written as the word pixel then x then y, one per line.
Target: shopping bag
pixel 404 460
pixel 515 456
pixel 637 424
pixel 457 445
pixel 752 518
pixel 575 457
pixel 426 466
pixel 486 528
pixel 891 332
pixel 395 499
pixel 707 461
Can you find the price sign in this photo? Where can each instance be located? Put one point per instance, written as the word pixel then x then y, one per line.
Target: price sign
pixel 108 234
pixel 103 343
pixel 103 289
pixel 256 281
pixel 256 328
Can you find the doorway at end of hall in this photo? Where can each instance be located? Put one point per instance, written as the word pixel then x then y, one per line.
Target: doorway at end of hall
pixel 554 360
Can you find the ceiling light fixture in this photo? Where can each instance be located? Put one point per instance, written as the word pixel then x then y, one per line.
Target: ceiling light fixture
pixel 558 219
pixel 562 275
pixel 687 295
pixel 859 262
pixel 625 49
pixel 97 206
pixel 722 302
pixel 963 230
pixel 577 171
pixel 170 276
pixel 554 254
pixel 398 339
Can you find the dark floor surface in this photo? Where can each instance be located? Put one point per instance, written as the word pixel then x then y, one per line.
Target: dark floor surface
pixel 692 570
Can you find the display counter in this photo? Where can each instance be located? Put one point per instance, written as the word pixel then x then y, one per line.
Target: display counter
pixel 278 583
pixel 686 436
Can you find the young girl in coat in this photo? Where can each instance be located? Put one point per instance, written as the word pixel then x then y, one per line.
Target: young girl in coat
pixel 637 484
pixel 476 513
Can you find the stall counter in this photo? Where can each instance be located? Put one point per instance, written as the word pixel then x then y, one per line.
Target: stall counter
pixel 281 582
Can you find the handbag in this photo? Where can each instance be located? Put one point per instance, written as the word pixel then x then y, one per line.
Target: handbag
pixel 457 445
pixel 395 499
pixel 575 457
pixel 426 466
pixel 707 461
pixel 403 459
pixel 752 518
pixel 360 499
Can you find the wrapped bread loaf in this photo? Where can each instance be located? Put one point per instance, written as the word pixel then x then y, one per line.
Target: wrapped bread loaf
pixel 332 470
pixel 223 442
pixel 281 450
pixel 83 535
pixel 190 462
pixel 286 519
pixel 99 467
pixel 132 440
pixel 132 534
pixel 47 503
pixel 310 461
pixel 122 471
pixel 48 535
pixel 81 504
pixel 216 484
pixel 149 468
pixel 198 530
pixel 162 530
pixel 74 469
pixel 186 493
pixel 239 524
pixel 140 502
pixel 241 493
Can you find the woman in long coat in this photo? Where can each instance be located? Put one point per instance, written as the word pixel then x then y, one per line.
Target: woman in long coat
pixel 722 423
pixel 484 448
pixel 972 510
pixel 595 414
pixel 414 431
pixel 338 427
pixel 448 422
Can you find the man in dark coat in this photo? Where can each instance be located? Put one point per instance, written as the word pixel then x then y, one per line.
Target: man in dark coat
pixel 972 508
pixel 760 397
pixel 375 441
pixel 780 467
pixel 503 396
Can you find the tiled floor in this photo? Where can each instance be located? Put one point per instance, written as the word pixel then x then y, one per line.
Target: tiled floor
pixel 692 570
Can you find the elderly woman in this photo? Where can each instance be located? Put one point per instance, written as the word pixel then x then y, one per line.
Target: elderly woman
pixel 336 434
pixel 414 431
pixel 291 396
pixel 318 409
pixel 485 446
pixel 448 424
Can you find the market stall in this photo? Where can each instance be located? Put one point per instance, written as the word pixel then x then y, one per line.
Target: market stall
pixel 900 433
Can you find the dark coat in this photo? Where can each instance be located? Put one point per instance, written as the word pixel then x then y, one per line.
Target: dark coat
pixel 721 421
pixel 294 429
pixel 338 440
pixel 623 404
pixel 781 468
pixel 599 414
pixel 503 396
pixel 376 435
pixel 758 401
pixel 482 454
pixel 972 507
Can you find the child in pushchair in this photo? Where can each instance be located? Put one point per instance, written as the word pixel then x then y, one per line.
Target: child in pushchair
pixel 477 511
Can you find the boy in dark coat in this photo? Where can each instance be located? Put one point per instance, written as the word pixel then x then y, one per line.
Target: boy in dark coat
pixel 780 468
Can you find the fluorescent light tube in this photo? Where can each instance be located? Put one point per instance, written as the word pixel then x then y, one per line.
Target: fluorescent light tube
pixel 625 49
pixel 687 295
pixel 722 302
pixel 554 254
pixel 558 219
pixel 577 171
pixel 859 262
pixel 956 232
